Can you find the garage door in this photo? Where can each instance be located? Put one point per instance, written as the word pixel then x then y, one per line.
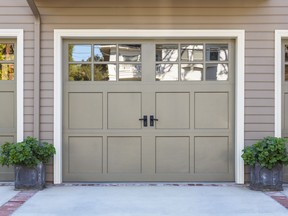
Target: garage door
pixel 285 100
pixel 148 111
pixel 8 99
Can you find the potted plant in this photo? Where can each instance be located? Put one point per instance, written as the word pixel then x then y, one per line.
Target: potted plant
pixel 266 159
pixel 28 158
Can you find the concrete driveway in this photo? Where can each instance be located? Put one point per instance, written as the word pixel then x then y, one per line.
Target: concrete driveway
pixel 144 200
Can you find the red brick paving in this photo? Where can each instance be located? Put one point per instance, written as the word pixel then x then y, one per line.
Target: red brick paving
pixel 13 204
pixel 283 200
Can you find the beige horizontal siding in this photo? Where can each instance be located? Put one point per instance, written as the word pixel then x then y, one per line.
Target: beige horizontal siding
pixel 17 15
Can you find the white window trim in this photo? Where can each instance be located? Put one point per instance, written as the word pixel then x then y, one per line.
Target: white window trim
pixel 238 35
pixel 280 35
pixel 19 35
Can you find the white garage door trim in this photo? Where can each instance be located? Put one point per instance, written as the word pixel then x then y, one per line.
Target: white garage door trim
pixel 19 35
pixel 238 35
pixel 280 35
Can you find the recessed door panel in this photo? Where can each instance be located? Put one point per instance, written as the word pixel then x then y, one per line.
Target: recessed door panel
pixel 85 155
pixel 173 110
pixel 7 113
pixel 85 110
pixel 124 110
pixel 124 155
pixel 172 155
pixel 211 110
pixel 211 155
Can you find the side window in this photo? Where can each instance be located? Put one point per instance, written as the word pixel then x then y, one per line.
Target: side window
pixel 192 62
pixel 104 62
pixel 7 61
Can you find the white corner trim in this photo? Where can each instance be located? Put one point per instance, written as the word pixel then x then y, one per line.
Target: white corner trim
pixel 279 36
pixel 238 35
pixel 19 35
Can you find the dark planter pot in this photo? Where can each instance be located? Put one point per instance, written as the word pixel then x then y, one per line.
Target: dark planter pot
pixel 263 179
pixel 30 177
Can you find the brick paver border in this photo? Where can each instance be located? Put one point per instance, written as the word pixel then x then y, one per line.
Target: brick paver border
pixel 18 200
pixel 279 197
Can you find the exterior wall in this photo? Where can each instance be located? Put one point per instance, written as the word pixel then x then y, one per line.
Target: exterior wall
pixel 17 15
pixel 259 19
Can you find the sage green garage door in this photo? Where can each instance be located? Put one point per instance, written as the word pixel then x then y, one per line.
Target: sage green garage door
pixel 285 100
pixel 148 111
pixel 7 99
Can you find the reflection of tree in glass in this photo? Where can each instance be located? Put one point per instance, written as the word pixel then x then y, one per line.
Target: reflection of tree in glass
pixel 79 72
pixel 6 54
pixel 101 72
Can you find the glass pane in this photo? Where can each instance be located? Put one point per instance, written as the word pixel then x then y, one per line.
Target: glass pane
pixel 130 72
pixel 166 52
pixel 286 72
pixel 6 71
pixel 192 52
pixel 217 52
pixel 6 52
pixel 79 72
pixel 217 72
pixel 286 53
pixel 129 52
pixel 105 72
pixel 79 53
pixel 104 52
pixel 191 71
pixel 166 72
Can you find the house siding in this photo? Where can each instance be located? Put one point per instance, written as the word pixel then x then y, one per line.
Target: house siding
pixel 258 18
pixel 16 14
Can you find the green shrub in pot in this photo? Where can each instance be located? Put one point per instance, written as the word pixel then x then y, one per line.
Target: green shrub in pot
pixel 30 155
pixel 266 159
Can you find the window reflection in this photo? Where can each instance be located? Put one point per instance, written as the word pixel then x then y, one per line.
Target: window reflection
pixel 166 52
pixel 6 71
pixel 217 52
pixel 166 72
pixel 129 52
pixel 6 52
pixel 217 72
pixel 191 71
pixel 130 72
pixel 79 72
pixel 80 53
pixel 191 52
pixel 105 72
pixel 105 52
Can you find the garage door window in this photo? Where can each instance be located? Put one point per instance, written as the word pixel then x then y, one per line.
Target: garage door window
pixel 192 66
pixel 7 61
pixel 110 62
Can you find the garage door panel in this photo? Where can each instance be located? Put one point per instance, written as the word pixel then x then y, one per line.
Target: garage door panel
pixel 211 110
pixel 124 155
pixel 85 155
pixel 85 110
pixel 172 155
pixel 173 110
pixel 211 155
pixel 124 110
pixel 7 111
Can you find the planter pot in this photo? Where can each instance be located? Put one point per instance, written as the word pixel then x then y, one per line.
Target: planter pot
pixel 263 179
pixel 30 177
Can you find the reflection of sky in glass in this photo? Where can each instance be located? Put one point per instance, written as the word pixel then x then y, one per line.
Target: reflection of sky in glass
pixel 81 53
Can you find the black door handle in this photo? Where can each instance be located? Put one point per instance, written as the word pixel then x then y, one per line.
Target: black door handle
pixel 145 120
pixel 152 119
